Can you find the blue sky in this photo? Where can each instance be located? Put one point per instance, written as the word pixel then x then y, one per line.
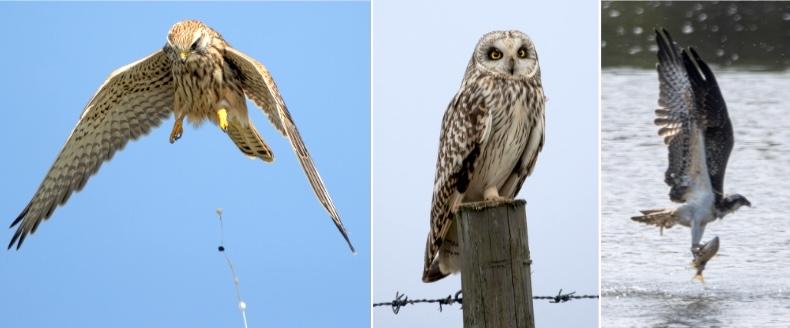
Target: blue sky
pixel 137 247
pixel 420 51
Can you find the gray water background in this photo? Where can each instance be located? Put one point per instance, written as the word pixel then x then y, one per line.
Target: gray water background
pixel 646 278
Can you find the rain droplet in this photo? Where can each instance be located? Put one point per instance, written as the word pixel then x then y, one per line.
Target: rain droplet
pixel 734 57
pixel 714 28
pixel 634 50
pixel 786 16
pixel 614 13
pixel 702 17
pixel 603 43
pixel 620 30
pixel 639 10
pixel 719 52
pixel 687 28
pixel 653 48
pixel 637 30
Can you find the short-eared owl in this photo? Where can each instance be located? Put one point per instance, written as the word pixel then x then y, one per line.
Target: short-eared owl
pixel 491 135
pixel 692 118
pixel 197 76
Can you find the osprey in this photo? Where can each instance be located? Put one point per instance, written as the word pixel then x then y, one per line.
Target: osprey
pixel 692 118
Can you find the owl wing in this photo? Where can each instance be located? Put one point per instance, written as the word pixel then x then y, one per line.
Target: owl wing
pixel 536 135
pixel 133 100
pixel 259 86
pixel 465 126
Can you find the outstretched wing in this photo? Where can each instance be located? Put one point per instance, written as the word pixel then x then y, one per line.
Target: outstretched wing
pixel 675 114
pixel 716 122
pixel 259 86
pixel 132 101
pixel 465 125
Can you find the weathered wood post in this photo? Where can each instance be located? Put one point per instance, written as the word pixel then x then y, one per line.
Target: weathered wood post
pixel 495 274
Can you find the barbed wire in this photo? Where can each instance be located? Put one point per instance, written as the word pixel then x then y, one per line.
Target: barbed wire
pixel 402 300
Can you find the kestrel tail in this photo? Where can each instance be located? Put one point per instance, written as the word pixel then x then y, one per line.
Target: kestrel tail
pixel 196 76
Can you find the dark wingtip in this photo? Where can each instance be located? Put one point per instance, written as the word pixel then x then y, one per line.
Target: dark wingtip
pixel 348 240
pixel 20 216
pixel 18 239
pixel 18 235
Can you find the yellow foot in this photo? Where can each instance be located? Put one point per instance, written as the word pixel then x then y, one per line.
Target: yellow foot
pixel 178 129
pixel 222 115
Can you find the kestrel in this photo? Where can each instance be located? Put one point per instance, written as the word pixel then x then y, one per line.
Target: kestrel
pixel 492 133
pixel 197 75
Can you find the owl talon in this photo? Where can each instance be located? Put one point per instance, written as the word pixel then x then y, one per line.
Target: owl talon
pixel 222 115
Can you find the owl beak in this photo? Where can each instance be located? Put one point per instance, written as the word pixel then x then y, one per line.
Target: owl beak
pixel 183 55
pixel 512 66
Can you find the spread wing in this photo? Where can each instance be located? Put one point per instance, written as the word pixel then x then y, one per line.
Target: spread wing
pixel 717 126
pixel 675 114
pixel 259 86
pixel 132 101
pixel 465 125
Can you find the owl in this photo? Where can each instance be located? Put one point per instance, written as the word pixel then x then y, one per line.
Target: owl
pixel 491 135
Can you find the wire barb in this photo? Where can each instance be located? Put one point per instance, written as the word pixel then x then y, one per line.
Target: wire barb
pixel 402 300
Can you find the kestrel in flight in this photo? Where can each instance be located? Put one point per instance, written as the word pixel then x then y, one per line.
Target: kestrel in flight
pixel 197 75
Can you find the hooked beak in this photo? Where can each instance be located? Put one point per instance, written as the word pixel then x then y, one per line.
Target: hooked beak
pixel 512 66
pixel 183 55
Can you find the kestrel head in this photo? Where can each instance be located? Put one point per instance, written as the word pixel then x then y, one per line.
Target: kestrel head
pixel 189 38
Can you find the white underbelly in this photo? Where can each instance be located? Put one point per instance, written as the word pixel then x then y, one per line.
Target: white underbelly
pixel 699 205
pixel 499 156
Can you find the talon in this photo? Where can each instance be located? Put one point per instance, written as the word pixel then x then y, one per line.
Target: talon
pixel 699 277
pixel 178 129
pixel 492 194
pixel 222 114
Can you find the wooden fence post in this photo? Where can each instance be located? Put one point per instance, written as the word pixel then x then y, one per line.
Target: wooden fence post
pixel 495 273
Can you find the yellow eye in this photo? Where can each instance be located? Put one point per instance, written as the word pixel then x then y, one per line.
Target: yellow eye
pixel 494 54
pixel 522 53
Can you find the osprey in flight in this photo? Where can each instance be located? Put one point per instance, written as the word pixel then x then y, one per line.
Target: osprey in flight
pixel 694 123
pixel 197 75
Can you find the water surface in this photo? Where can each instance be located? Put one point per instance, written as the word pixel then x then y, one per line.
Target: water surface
pixel 646 277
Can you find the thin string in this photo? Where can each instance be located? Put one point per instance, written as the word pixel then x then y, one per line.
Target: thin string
pixel 221 248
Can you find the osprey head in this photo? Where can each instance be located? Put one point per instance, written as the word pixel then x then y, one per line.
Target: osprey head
pixel 732 203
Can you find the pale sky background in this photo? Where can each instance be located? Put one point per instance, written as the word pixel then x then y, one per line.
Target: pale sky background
pixel 138 246
pixel 420 51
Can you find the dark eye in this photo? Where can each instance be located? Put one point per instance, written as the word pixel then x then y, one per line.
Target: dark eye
pixel 195 44
pixel 522 52
pixel 494 54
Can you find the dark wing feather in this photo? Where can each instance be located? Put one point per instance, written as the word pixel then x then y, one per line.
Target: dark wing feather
pixel 132 101
pixel 465 125
pixel 259 86
pixel 674 119
pixel 715 120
